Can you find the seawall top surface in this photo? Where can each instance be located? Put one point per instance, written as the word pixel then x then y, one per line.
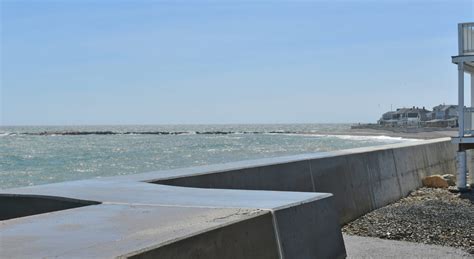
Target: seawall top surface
pixel 109 230
pixel 142 193
pixel 133 217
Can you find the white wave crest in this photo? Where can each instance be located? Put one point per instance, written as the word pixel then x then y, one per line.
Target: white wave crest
pixel 381 138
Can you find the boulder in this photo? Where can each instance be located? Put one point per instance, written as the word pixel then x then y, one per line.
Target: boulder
pixel 450 178
pixel 435 181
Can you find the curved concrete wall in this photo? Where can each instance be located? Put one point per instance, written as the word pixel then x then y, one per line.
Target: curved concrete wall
pixel 361 179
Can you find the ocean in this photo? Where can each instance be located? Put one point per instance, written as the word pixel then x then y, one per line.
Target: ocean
pixel 46 154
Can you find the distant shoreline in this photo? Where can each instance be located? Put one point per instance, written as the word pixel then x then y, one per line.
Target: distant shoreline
pixel 416 135
pixel 348 132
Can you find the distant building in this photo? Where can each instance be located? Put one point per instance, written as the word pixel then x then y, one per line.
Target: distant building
pixel 405 117
pixel 442 116
pixel 388 119
pixel 445 112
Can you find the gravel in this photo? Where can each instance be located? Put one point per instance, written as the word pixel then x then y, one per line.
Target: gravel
pixel 427 215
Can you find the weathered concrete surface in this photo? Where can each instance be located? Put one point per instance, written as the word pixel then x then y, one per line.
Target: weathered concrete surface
pixel 139 193
pixel 311 239
pixel 211 211
pixel 470 165
pixel 368 247
pixel 361 179
pixel 239 240
pixel 146 220
pixel 106 231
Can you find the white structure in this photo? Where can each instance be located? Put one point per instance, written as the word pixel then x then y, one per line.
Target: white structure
pixel 465 63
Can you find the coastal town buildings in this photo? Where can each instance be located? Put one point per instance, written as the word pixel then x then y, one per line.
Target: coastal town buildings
pixel 441 116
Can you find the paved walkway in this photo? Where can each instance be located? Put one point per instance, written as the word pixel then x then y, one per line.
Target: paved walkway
pixel 369 247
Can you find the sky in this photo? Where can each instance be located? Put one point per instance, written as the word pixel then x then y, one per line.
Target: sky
pixel 207 62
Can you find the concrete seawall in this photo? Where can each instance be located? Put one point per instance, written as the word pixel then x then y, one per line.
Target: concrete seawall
pixel 361 179
pixel 285 207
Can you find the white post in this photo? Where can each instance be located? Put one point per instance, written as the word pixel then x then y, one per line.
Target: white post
pixel 461 159
pixel 460 40
pixel 461 98
pixel 461 154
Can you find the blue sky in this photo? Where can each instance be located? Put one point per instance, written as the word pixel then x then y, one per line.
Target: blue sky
pixel 171 62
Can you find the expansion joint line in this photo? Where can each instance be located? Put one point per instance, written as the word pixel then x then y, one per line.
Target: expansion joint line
pixel 277 235
pixel 397 173
pixel 311 175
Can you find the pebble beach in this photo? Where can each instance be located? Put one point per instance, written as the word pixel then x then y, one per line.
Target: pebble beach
pixel 428 215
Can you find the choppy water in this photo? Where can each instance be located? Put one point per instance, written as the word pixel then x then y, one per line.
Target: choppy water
pixel 39 159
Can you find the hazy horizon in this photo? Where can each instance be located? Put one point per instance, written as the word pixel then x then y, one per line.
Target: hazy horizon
pixel 184 124
pixel 229 62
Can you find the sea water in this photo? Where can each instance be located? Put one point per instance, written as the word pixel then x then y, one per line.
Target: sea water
pixel 39 155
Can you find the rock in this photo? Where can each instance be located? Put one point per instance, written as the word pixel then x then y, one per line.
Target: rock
pixel 453 189
pixel 435 181
pixel 471 250
pixel 450 178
